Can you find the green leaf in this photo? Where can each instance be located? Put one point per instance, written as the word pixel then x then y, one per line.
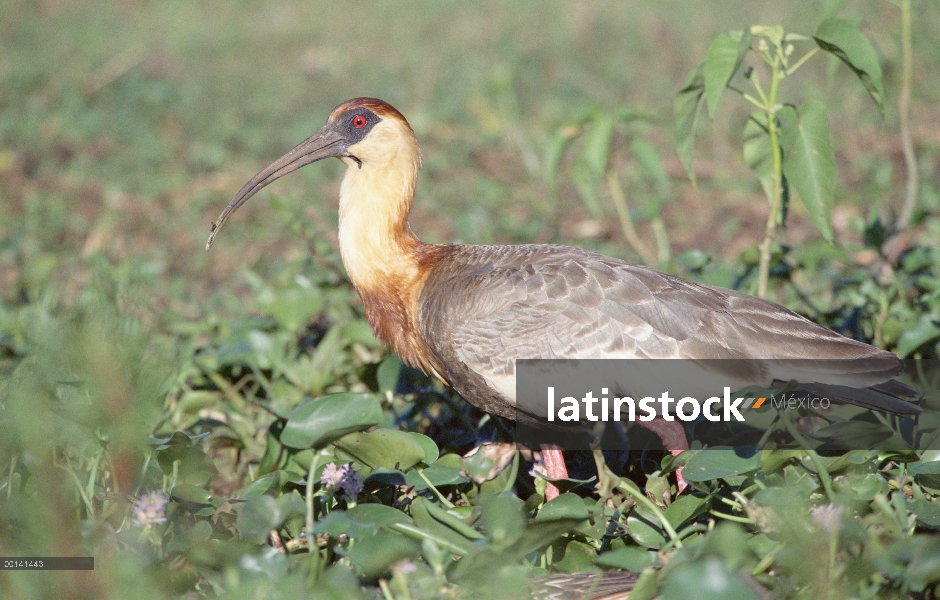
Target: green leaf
pixel 372 556
pixel 565 506
pixel 437 474
pixel 925 330
pixel 431 451
pixel 725 54
pixel 686 109
pixel 709 464
pixel 684 508
pixel 644 527
pixel 361 520
pixel 502 517
pixel 272 481
pixel 843 40
pixel 927 512
pixel 809 162
pixel 596 152
pixel 432 525
pixel 925 468
pixel 388 373
pixel 388 448
pixel 314 423
pixel 757 151
pixel 257 517
pixel 578 557
pixel 586 184
pixel 651 164
pixel 629 558
pixel 554 150
pixel 706 580
pixel 192 496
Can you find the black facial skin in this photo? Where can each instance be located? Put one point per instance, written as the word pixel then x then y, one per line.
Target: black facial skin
pixel 347 124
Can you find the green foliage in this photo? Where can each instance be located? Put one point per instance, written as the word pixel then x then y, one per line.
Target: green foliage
pixel 783 145
pixel 225 424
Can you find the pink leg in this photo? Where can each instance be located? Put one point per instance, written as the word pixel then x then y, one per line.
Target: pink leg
pixel 554 464
pixel 673 436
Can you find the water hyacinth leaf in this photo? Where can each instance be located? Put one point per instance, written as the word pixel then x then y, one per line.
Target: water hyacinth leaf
pixel 437 475
pixel 388 448
pixel 541 533
pixel 377 515
pixel 629 558
pixel 924 331
pixel 426 522
pixel 724 58
pixel 565 506
pixel 578 558
pixel 191 495
pixel 373 556
pixel 809 162
pixel 269 562
pixel 927 512
pixel 257 517
pixel 645 528
pixel 272 481
pixel 709 464
pixel 316 422
pixel 274 455
pixel 706 580
pixel 502 517
pixel 684 508
pixel 925 468
pixel 843 40
pixel 431 451
pixel 686 109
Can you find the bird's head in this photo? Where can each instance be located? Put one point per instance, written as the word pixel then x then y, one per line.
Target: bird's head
pixel 363 132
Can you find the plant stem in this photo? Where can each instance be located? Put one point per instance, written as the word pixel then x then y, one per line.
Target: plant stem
pixel 776 202
pixel 904 109
pixel 626 223
pixel 655 510
pixel 311 537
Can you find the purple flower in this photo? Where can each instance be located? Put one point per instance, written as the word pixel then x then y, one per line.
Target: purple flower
pixel 332 475
pixel 352 484
pixel 342 478
pixel 150 508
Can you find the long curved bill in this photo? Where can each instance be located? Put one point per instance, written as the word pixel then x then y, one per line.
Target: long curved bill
pixel 323 144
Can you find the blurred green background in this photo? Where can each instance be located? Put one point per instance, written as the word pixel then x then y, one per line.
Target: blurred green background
pixel 125 128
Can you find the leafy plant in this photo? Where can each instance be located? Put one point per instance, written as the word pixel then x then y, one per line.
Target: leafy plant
pixel 784 145
pixel 593 167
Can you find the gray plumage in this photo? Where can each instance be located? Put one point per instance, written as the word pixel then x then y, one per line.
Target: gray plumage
pixel 482 307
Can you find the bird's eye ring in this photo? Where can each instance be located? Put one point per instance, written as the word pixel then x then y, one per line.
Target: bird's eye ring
pixel 359 122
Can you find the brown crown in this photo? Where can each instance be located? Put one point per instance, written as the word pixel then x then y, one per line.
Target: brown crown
pixel 379 107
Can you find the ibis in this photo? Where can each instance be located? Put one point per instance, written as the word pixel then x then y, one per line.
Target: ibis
pixel 465 313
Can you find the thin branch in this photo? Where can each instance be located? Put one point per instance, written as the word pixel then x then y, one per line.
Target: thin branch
pixel 904 109
pixel 626 222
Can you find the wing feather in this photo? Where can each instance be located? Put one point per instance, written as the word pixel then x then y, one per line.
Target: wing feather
pixel 486 306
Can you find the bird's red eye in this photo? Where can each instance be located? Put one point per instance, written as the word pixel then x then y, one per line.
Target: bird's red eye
pixel 359 121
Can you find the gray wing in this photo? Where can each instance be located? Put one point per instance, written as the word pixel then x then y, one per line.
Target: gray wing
pixel 490 305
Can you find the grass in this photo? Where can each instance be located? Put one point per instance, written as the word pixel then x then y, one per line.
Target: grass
pixel 131 361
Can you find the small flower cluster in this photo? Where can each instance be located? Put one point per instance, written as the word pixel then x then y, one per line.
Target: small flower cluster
pixel 342 478
pixel 150 509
